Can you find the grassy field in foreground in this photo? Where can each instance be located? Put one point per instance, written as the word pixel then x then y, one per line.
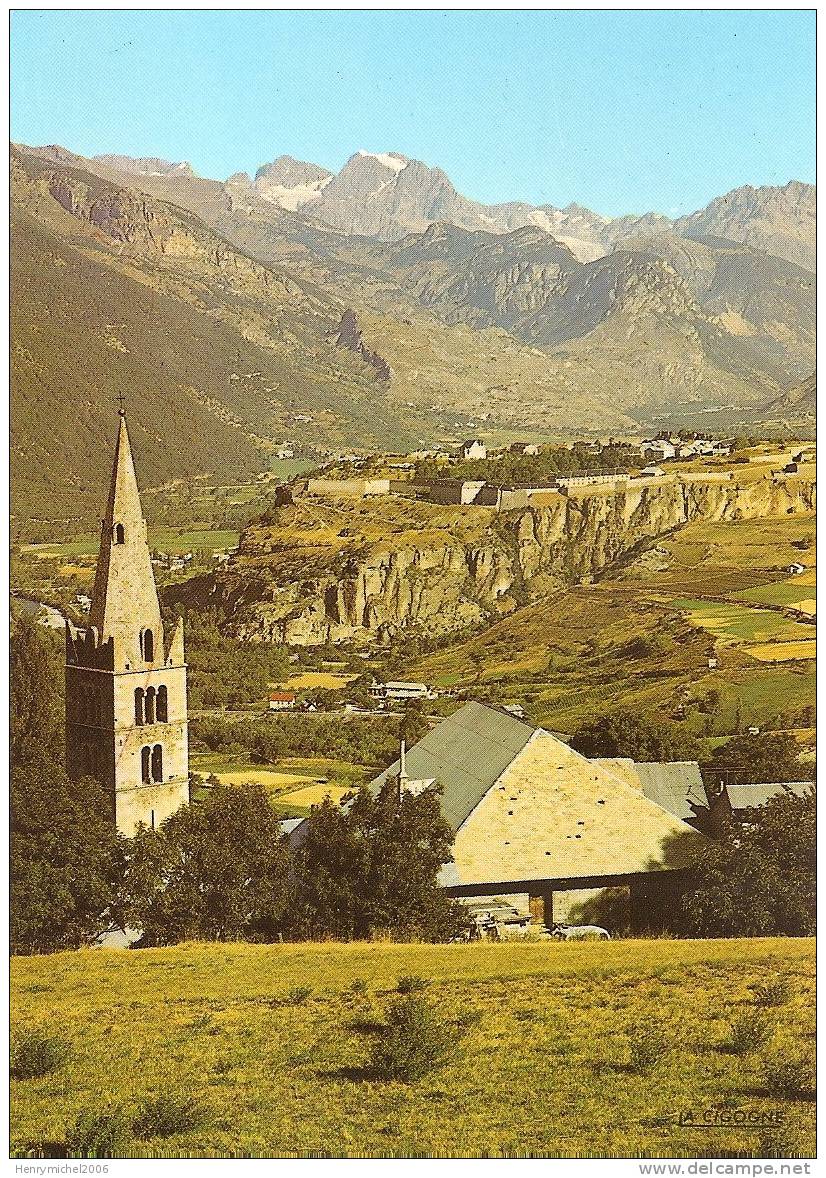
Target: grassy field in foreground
pixel 547 1066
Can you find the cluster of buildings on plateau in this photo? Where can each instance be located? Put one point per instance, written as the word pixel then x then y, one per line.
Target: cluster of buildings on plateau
pixel 443 488
pixel 536 825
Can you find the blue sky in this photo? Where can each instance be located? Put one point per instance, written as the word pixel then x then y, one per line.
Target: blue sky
pixel 620 111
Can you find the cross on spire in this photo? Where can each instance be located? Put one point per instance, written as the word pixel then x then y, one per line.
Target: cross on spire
pixel 121 400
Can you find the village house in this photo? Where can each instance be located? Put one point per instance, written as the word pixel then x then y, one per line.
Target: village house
pixel 473 449
pixel 735 802
pixel 539 824
pixel 528 449
pixel 661 447
pixel 400 690
pixel 282 701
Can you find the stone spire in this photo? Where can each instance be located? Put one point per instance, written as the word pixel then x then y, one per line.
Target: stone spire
pixel 124 600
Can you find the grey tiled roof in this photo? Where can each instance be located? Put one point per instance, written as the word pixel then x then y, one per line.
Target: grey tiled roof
pixel 677 786
pixel 744 796
pixel 466 754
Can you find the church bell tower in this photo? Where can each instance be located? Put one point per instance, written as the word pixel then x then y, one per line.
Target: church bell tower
pixel 126 721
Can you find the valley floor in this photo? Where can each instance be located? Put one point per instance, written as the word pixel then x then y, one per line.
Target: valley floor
pixel 550 1065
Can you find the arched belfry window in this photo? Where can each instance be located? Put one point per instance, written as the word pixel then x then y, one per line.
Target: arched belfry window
pixel 146 754
pixel 139 693
pixel 148 646
pixel 157 763
pixel 117 534
pixel 161 708
pixel 149 706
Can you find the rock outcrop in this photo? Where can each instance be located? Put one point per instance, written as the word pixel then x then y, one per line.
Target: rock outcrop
pixel 349 336
pixel 448 585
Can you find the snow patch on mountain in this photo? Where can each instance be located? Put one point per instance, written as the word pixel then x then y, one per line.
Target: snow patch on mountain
pixel 395 162
pixel 292 197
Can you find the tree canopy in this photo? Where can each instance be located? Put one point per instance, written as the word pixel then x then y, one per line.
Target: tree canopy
pixel 215 870
pixel 754 757
pixel 372 868
pixel 759 877
pixel 638 735
pixel 64 856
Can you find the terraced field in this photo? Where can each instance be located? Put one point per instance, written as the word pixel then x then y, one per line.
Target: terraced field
pixel 648 636
pixel 294 784
pixel 738 623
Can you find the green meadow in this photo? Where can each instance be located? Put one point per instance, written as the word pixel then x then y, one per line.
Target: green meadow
pixel 173 540
pixel 569 1050
pixel 740 623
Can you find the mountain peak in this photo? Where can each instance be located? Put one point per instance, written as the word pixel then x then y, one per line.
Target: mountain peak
pixel 289 171
pixel 291 183
pixel 388 159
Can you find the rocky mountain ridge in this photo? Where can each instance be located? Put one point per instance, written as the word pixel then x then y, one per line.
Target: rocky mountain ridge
pixel 388 195
pixel 220 355
pixel 673 325
pixel 189 292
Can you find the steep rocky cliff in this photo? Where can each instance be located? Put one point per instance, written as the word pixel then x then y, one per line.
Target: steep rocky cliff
pixel 285 587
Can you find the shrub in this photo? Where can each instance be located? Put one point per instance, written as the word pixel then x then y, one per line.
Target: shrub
pixel 34 1053
pixel 646 1046
pixel 789 1074
pixel 100 1134
pixel 748 1032
pixel 774 993
pixel 413 1041
pixel 298 995
pixel 167 1114
pixel 358 986
pixel 412 984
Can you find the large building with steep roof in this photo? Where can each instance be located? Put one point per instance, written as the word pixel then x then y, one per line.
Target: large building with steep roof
pixel 534 819
pixel 126 713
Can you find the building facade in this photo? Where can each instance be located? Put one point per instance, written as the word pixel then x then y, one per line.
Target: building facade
pixel 126 711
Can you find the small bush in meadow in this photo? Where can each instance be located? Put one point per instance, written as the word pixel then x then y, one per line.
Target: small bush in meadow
pixel 100 1133
pixel 468 1019
pixel 412 984
pixel 358 986
pixel 772 993
pixel 749 1032
pixel 35 1053
pixel 298 995
pixel 166 1115
pixel 414 1041
pixel 788 1073
pixel 646 1047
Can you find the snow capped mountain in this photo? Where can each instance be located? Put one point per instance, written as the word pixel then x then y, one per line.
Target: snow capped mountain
pixel 291 184
pixel 387 195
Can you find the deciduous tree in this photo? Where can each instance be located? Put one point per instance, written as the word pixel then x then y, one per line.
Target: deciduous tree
pixel 372 868
pixel 216 870
pixel 758 878
pixel 637 735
